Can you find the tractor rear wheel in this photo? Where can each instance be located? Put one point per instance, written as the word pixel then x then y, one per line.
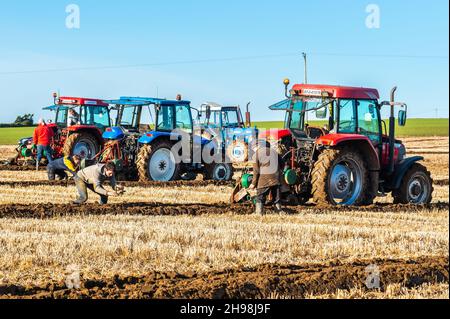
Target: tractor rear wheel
pixel 416 187
pixel 340 177
pixel 157 163
pixel 219 172
pixel 83 144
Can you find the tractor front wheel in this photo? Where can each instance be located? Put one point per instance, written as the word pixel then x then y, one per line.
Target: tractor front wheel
pixel 219 172
pixel 340 177
pixel 83 144
pixel 157 163
pixel 416 187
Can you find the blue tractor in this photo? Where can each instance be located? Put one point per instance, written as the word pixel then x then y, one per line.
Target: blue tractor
pixel 172 150
pixel 226 125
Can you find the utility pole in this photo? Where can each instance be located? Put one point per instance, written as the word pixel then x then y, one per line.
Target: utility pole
pixel 306 67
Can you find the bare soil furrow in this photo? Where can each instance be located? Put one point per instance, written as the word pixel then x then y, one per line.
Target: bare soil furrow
pixel 258 282
pixel 158 209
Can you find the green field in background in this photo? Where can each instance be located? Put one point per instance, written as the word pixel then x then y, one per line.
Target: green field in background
pixel 414 127
pixel 11 136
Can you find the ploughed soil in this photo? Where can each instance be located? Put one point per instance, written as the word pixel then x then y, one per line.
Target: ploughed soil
pixel 257 282
pixel 152 184
pixel 17 168
pixel 148 184
pixel 45 211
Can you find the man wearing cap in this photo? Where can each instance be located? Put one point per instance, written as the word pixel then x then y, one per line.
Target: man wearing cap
pixel 92 178
pixel 267 173
pixel 42 139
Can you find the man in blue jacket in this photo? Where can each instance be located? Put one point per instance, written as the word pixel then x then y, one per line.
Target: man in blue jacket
pixel 65 164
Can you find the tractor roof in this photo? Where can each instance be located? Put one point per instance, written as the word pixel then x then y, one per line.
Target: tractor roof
pixel 139 101
pixel 66 101
pixel 342 92
pixel 215 107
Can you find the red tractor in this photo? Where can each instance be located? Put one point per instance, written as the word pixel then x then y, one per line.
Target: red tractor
pixel 338 149
pixel 78 127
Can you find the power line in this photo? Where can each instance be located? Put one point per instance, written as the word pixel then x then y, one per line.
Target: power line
pixel 215 60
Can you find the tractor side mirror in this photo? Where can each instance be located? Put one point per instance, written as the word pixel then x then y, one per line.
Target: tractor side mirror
pixel 402 118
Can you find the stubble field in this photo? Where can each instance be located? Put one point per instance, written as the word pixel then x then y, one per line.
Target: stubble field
pixel 183 240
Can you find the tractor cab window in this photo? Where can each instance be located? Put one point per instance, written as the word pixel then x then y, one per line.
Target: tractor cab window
pixel 230 118
pixel 309 111
pixel 368 120
pixel 165 119
pixel 184 118
pixel 347 116
pixel 61 116
pixel 130 118
pixel 213 121
pixel 97 116
pixel 297 115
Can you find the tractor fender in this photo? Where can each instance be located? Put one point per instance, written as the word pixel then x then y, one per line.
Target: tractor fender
pixel 93 130
pixel 150 137
pixel 275 134
pixel 360 142
pixel 113 133
pixel 401 169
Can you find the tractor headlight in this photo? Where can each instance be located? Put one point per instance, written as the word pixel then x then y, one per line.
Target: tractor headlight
pixel 401 152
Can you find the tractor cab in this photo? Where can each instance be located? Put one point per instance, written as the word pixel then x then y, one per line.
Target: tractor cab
pixel 75 112
pixel 132 117
pixel 78 126
pixel 226 125
pixel 325 114
pixel 222 117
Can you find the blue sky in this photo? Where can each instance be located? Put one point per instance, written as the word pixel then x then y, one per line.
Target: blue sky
pixel 410 50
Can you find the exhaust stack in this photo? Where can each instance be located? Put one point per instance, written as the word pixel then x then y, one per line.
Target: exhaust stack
pixel 392 132
pixel 248 120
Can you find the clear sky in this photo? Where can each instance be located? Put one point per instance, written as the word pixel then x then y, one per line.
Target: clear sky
pixel 239 51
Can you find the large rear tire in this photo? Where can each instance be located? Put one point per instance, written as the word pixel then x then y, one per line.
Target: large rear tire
pixel 157 163
pixel 340 177
pixel 82 144
pixel 416 187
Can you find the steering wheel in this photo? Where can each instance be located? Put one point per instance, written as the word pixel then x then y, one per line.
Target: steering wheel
pixel 181 125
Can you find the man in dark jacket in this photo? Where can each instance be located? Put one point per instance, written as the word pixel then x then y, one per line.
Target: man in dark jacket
pixel 267 174
pixel 93 178
pixel 62 165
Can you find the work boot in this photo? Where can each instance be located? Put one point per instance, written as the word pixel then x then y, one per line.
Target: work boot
pixel 280 209
pixel 259 209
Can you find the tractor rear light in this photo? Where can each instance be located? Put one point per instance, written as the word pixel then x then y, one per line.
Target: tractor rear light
pixel 108 129
pixel 149 135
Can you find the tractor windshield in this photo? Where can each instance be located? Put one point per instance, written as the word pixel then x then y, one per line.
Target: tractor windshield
pixel 304 110
pixel 129 117
pixel 230 118
pixel 226 118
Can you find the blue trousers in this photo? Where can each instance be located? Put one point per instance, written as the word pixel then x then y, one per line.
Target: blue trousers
pixel 40 153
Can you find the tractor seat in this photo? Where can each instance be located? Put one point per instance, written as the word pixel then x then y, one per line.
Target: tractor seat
pixel 315 132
